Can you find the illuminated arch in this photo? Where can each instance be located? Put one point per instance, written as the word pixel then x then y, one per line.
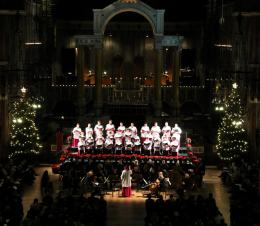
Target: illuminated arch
pixel 103 16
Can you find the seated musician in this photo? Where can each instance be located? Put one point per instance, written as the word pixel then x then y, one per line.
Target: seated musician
pixel 163 182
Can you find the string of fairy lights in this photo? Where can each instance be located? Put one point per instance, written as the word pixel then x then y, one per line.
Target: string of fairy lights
pixel 24 137
pixel 231 136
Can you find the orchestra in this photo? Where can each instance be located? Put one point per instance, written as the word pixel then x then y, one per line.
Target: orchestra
pixel 154 141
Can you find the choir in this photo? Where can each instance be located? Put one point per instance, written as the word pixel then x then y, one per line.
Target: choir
pixel 154 141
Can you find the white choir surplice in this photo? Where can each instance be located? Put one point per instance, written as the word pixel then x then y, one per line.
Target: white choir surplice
pixel 110 129
pixel 121 129
pixel 126 178
pixel 176 132
pixel 156 130
pixel 145 131
pixel 133 130
pixel 76 132
pixel 166 130
pixel 88 132
pixel 98 130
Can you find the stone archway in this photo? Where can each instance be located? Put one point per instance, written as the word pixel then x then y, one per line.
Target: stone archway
pixel 103 16
pixel 156 19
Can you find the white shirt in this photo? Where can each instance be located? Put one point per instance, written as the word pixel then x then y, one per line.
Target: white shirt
pixel 76 132
pixel 126 178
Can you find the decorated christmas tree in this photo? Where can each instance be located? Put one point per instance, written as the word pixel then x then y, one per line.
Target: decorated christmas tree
pixel 24 139
pixel 232 137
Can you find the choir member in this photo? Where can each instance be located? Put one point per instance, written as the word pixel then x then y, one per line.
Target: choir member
pixel 147 144
pixel 89 143
pixel 121 129
pixel 155 130
pixel 145 130
pixel 118 143
pixel 176 131
pixel 137 144
pixel 98 129
pixel 109 143
pixel 165 145
pixel 110 128
pixel 89 131
pixel 76 134
pixel 166 130
pixel 81 143
pixel 126 178
pixel 175 143
pixel 157 145
pixel 99 144
pixel 133 129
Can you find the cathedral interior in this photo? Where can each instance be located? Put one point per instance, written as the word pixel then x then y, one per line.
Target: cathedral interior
pixel 154 62
pixel 131 61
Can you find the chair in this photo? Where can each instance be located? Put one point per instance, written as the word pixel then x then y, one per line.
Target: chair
pixel 116 187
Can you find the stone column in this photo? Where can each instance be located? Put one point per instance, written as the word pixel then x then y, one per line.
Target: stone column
pixel 176 82
pixel 98 80
pixel 80 54
pixel 157 77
